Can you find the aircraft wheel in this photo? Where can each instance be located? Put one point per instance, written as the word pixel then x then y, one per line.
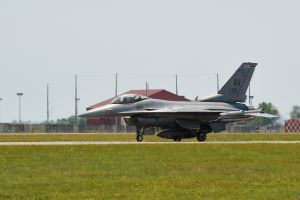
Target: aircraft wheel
pixel 177 139
pixel 139 138
pixel 201 137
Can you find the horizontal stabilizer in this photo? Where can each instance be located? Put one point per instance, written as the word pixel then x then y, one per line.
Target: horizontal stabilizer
pixel 241 115
pixel 264 115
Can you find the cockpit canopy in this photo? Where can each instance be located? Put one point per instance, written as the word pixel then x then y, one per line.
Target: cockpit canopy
pixel 128 98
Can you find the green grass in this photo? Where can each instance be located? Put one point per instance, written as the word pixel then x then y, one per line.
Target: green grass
pixel 131 137
pixel 181 171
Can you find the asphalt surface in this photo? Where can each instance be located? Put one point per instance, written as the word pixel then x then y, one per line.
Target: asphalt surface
pixel 138 143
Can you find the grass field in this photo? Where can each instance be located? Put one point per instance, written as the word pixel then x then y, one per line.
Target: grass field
pixel 131 137
pixel 156 171
pixel 252 171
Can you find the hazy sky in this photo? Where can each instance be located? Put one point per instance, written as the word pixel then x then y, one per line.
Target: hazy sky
pixel 50 41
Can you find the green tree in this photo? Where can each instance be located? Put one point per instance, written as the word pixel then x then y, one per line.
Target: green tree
pixel 267 108
pixel 295 112
pixel 71 120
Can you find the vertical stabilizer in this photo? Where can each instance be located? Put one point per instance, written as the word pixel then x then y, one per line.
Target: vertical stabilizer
pixel 236 87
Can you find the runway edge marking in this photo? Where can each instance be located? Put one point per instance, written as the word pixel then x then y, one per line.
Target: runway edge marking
pixel 53 143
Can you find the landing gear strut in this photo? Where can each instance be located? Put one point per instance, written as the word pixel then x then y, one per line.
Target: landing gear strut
pixel 139 136
pixel 201 136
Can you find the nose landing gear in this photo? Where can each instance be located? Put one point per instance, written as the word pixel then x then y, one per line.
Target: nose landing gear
pixel 139 136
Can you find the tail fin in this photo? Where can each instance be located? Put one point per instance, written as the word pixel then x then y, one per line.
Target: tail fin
pixel 238 84
pixel 236 87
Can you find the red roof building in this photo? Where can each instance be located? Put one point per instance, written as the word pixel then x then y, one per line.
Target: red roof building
pixel 155 94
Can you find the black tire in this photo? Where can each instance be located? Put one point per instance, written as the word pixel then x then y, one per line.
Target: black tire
pixel 201 137
pixel 139 138
pixel 177 139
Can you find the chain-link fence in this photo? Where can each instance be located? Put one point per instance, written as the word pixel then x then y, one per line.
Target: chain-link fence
pixel 66 128
pixel 63 128
pixel 233 128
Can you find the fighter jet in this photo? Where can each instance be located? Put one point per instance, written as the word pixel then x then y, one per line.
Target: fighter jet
pixel 177 120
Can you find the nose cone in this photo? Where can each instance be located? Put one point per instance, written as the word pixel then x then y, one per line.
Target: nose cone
pixel 90 114
pixel 103 111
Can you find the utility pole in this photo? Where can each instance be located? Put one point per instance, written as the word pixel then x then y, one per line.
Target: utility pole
pixel 76 99
pixel 176 82
pixel 48 103
pixel 0 109
pixel 116 89
pixel 116 94
pixel 147 88
pixel 218 83
pixel 20 94
pixel 51 114
pixel 250 97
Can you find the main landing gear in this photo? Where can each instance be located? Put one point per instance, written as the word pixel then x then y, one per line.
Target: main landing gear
pixel 139 136
pixel 201 136
pixel 177 139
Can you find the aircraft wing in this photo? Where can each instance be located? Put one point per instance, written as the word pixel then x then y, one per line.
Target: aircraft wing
pixel 224 115
pixel 171 111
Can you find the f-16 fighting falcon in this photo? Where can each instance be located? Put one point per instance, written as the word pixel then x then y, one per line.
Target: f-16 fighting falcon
pixel 176 120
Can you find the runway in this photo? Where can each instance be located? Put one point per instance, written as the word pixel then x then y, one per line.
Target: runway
pixel 60 143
